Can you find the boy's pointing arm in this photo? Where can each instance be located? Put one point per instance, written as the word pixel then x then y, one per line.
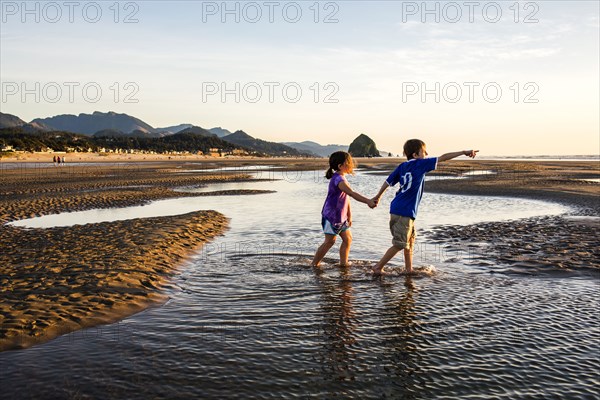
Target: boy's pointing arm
pixel 450 156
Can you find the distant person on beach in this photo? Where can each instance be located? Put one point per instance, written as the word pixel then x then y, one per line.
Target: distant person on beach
pixel 54 160
pixel 63 159
pixel 336 216
pixel 403 210
pixel 58 160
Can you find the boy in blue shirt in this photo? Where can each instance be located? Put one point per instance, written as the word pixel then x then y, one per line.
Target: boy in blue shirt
pixel 404 207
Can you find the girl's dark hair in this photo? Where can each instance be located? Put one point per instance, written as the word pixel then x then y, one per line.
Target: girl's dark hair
pixel 413 146
pixel 335 160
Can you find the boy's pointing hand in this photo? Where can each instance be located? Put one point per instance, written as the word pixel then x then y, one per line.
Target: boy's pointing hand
pixel 471 153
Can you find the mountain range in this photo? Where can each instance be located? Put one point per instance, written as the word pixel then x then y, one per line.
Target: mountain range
pixel 12 121
pixel 88 124
pixel 112 124
pixel 316 148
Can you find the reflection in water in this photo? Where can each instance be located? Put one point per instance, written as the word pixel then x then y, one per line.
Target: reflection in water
pixel 401 328
pixel 339 325
pixel 380 343
pixel 242 323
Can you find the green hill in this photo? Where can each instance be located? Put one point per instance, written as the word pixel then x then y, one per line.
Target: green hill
pixel 363 146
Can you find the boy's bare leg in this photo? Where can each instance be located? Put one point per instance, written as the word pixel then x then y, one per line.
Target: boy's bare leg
pixel 323 249
pixel 345 247
pixel 389 254
pixel 408 255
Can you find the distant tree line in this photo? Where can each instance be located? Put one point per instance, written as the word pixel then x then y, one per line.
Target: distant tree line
pixel 22 140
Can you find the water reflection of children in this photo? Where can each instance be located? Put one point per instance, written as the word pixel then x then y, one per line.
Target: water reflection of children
pixel 339 327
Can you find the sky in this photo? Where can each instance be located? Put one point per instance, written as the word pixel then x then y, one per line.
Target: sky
pixel 504 77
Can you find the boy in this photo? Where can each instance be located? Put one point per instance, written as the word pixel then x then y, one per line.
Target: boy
pixel 403 210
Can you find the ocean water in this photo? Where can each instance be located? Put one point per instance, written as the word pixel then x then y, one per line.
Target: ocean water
pixel 247 317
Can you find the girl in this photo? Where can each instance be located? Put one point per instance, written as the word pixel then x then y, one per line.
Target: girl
pixel 336 215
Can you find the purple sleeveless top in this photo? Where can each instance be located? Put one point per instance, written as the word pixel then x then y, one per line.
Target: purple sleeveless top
pixel 335 209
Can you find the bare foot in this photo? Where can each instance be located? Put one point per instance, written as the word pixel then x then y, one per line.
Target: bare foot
pixel 375 270
pixel 346 265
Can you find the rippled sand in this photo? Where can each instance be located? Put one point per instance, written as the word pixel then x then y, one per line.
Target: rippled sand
pixel 530 246
pixel 57 280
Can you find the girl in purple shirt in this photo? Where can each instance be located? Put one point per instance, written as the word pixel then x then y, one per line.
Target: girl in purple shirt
pixel 336 217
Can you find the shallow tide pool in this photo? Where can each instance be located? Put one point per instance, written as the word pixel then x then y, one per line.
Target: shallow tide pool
pixel 247 317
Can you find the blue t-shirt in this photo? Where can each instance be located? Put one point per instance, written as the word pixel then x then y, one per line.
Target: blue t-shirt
pixel 411 176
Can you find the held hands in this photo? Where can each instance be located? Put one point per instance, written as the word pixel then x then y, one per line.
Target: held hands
pixel 470 153
pixel 373 202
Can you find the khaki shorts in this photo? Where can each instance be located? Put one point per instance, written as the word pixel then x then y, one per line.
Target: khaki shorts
pixel 403 231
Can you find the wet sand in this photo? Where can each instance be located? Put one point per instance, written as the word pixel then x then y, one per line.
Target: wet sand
pixel 534 246
pixel 58 280
pixel 61 279
pixel 529 246
pixel 562 182
pixel 35 191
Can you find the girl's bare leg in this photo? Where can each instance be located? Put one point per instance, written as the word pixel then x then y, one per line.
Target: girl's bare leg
pixel 323 249
pixel 345 247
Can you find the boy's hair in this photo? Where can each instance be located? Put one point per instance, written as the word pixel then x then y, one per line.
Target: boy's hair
pixel 413 146
pixel 335 159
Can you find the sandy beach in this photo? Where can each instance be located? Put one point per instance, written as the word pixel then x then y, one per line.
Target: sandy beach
pixel 104 157
pixel 57 280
